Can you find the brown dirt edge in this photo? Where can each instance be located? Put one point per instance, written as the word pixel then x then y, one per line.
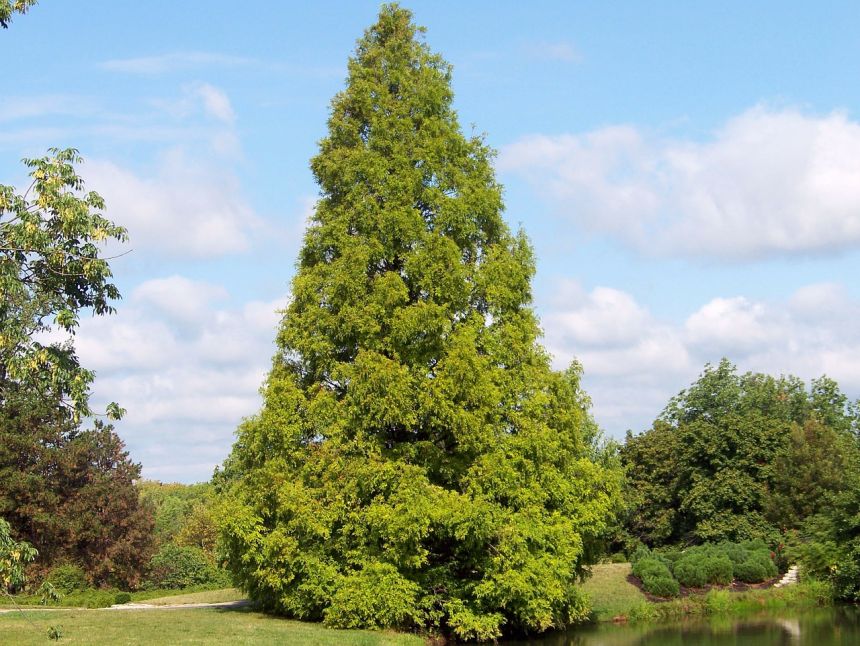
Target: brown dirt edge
pixel 736 586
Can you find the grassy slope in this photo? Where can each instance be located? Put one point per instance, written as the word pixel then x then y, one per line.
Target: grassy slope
pixel 202 626
pixel 610 593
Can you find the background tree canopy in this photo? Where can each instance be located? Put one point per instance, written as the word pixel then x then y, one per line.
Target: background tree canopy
pixel 739 457
pixel 416 462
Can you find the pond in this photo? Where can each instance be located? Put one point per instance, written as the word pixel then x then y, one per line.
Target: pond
pixel 818 627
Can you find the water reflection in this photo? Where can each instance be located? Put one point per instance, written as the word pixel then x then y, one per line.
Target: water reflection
pixel 819 627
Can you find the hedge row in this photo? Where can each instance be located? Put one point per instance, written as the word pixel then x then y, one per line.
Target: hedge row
pixel 662 573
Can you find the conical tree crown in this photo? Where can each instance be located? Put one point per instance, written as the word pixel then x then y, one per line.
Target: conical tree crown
pixel 416 461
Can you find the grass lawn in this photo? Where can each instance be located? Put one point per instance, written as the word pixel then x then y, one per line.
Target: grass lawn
pixel 201 626
pixel 610 593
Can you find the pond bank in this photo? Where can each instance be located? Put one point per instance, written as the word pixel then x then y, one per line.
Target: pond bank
pixel 615 598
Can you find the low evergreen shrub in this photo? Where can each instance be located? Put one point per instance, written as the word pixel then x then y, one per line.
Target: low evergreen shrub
pixel 650 567
pixel 690 571
pixel 662 586
pixel 718 569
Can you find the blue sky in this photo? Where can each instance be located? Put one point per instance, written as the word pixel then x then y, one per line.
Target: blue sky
pixel 689 176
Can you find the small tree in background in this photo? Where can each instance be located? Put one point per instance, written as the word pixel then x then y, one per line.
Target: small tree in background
pixel 416 462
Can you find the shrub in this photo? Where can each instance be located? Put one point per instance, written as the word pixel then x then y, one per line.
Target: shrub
pixel 735 552
pixel 641 552
pixel 661 586
pixel 618 557
pixel 718 569
pixel 68 578
pixel 175 566
pixel 650 567
pixel 121 598
pixel 690 571
pixel 90 598
pixel 758 567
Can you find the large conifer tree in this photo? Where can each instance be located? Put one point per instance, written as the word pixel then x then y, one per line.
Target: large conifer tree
pixel 416 461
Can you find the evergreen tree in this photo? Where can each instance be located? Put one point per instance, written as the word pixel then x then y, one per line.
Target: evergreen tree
pixel 416 462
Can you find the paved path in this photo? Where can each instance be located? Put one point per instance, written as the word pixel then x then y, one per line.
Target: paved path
pixel 176 606
pixel 137 606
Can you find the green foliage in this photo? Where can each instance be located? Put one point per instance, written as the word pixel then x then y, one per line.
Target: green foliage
pixel 55 633
pixel 14 558
pixel 690 571
pixel 175 566
pixel 376 596
pixel 68 578
pixel 738 457
pixel 661 586
pixel 122 598
pixel 718 569
pixel 9 7
pixel 50 270
pixel 412 429
pixel 751 571
pixel 718 601
pixel 183 513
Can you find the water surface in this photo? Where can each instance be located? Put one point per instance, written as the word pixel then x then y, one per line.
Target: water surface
pixel 816 627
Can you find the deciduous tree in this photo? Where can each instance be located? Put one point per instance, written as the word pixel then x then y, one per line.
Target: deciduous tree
pixel 416 461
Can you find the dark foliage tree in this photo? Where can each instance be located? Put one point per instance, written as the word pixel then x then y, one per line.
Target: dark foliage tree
pixel 71 493
pixel 738 457
pixel 416 461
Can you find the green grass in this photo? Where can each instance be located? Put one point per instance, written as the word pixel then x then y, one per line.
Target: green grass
pixel 610 593
pixel 207 596
pixel 201 626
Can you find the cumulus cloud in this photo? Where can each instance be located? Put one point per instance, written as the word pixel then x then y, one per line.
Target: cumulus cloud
pixel 186 365
pixel 187 207
pixel 768 182
pixel 634 362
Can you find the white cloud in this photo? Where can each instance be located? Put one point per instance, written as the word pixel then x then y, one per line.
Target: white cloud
pixel 215 102
pixel 769 182
pixel 635 362
pixel 185 365
pixel 173 62
pixel 187 208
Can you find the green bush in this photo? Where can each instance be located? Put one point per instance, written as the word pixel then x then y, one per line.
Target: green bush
pixel 90 598
pixel 650 567
pixel 718 569
pixel 121 598
pixel 690 571
pixel 641 552
pixel 175 566
pixel 751 571
pixel 661 586
pixel 734 551
pixel 68 578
